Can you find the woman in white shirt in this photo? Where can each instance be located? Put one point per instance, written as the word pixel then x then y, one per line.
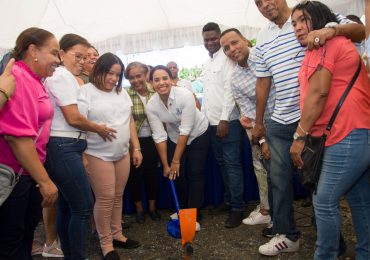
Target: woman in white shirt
pixel 108 163
pixel 66 145
pixel 186 138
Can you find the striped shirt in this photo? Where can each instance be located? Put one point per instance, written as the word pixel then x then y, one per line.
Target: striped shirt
pixel 243 88
pixel 279 55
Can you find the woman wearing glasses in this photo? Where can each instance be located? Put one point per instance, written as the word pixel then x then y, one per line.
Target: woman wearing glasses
pixel 66 145
pixel 324 75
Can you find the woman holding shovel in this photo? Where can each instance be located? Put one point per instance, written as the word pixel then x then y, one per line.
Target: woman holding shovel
pixel 185 143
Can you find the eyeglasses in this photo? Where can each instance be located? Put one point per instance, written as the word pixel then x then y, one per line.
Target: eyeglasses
pixel 300 56
pixel 79 56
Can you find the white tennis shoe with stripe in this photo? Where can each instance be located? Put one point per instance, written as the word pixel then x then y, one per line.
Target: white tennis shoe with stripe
pixel 279 244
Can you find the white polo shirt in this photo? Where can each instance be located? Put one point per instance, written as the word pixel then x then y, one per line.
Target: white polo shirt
pixel 218 102
pixel 181 117
pixel 279 55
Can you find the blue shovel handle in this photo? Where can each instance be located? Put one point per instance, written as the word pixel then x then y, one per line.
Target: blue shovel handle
pixel 177 205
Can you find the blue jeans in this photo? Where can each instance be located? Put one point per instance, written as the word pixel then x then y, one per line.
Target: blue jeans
pixel 19 216
pixel 345 171
pixel 75 202
pixel 280 138
pixel 227 152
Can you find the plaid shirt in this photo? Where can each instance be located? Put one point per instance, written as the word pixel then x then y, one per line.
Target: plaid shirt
pixel 137 109
pixel 243 88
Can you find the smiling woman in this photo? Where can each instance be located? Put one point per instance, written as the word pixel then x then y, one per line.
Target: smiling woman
pixel 66 145
pixel 25 118
pixel 108 164
pixel 188 137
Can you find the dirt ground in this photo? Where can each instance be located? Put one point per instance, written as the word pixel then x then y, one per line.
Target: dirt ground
pixel 214 241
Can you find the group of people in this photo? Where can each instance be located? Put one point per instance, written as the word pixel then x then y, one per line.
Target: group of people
pixel 77 137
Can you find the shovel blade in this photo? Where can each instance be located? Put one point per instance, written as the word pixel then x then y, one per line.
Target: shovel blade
pixel 188 218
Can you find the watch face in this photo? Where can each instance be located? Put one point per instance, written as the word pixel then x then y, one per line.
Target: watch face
pixel 295 136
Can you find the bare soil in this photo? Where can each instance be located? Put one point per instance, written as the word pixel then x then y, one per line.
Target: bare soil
pixel 214 241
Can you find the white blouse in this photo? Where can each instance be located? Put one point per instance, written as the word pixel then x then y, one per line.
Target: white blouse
pixel 181 117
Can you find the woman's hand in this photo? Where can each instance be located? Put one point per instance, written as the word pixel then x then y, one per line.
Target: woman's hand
pixel 265 151
pixel 296 152
pixel 137 158
pixel 49 193
pixel 166 171
pixel 106 133
pixel 174 170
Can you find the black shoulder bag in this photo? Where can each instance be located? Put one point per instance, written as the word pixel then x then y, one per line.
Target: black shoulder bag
pixel 314 149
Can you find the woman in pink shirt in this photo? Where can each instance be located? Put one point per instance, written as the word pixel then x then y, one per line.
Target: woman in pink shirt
pixel 24 118
pixel 324 75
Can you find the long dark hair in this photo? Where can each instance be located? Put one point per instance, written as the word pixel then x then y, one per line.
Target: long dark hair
pixel 316 12
pixel 102 68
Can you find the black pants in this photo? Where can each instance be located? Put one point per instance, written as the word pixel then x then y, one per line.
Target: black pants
pixel 190 184
pixel 147 172
pixel 19 216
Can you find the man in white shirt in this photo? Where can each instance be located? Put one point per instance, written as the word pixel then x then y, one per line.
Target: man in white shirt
pixel 172 66
pixel 279 57
pixel 226 131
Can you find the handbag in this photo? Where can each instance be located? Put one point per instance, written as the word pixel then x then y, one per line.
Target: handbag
pixel 8 178
pixel 313 151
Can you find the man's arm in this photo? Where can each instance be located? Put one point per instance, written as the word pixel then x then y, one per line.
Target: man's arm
pixel 352 31
pixel 263 86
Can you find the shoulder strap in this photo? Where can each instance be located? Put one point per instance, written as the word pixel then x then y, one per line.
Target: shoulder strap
pixel 345 94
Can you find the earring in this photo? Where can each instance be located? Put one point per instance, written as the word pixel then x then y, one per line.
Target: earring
pixel 35 60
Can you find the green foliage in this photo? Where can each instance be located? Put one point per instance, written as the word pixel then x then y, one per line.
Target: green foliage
pixel 190 73
pixel 253 41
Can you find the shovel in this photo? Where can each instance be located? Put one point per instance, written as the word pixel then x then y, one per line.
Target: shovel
pixel 184 226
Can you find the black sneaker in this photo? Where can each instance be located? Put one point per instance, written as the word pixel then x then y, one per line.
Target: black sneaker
pixel 234 219
pixel 220 210
pixel 267 231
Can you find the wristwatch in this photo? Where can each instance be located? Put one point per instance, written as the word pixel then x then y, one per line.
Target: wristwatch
pixel 297 137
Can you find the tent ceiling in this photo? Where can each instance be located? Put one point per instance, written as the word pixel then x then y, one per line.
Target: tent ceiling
pixel 99 20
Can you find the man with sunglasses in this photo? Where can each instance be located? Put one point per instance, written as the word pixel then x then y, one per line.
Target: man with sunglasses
pixel 278 62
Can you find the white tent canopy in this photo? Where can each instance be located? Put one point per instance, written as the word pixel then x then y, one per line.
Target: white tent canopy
pixel 129 26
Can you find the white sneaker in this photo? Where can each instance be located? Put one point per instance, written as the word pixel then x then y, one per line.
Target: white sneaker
pixel 256 219
pixel 197 226
pixel 52 250
pixel 174 216
pixel 256 210
pixel 278 244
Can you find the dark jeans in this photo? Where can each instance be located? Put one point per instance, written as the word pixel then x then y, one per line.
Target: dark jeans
pixel 75 201
pixel 280 139
pixel 227 152
pixel 19 216
pixel 147 172
pixel 190 184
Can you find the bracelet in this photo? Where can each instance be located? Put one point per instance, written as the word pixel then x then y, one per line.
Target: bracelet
pixel 176 162
pixel 137 149
pixel 300 127
pixel 5 94
pixel 261 141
